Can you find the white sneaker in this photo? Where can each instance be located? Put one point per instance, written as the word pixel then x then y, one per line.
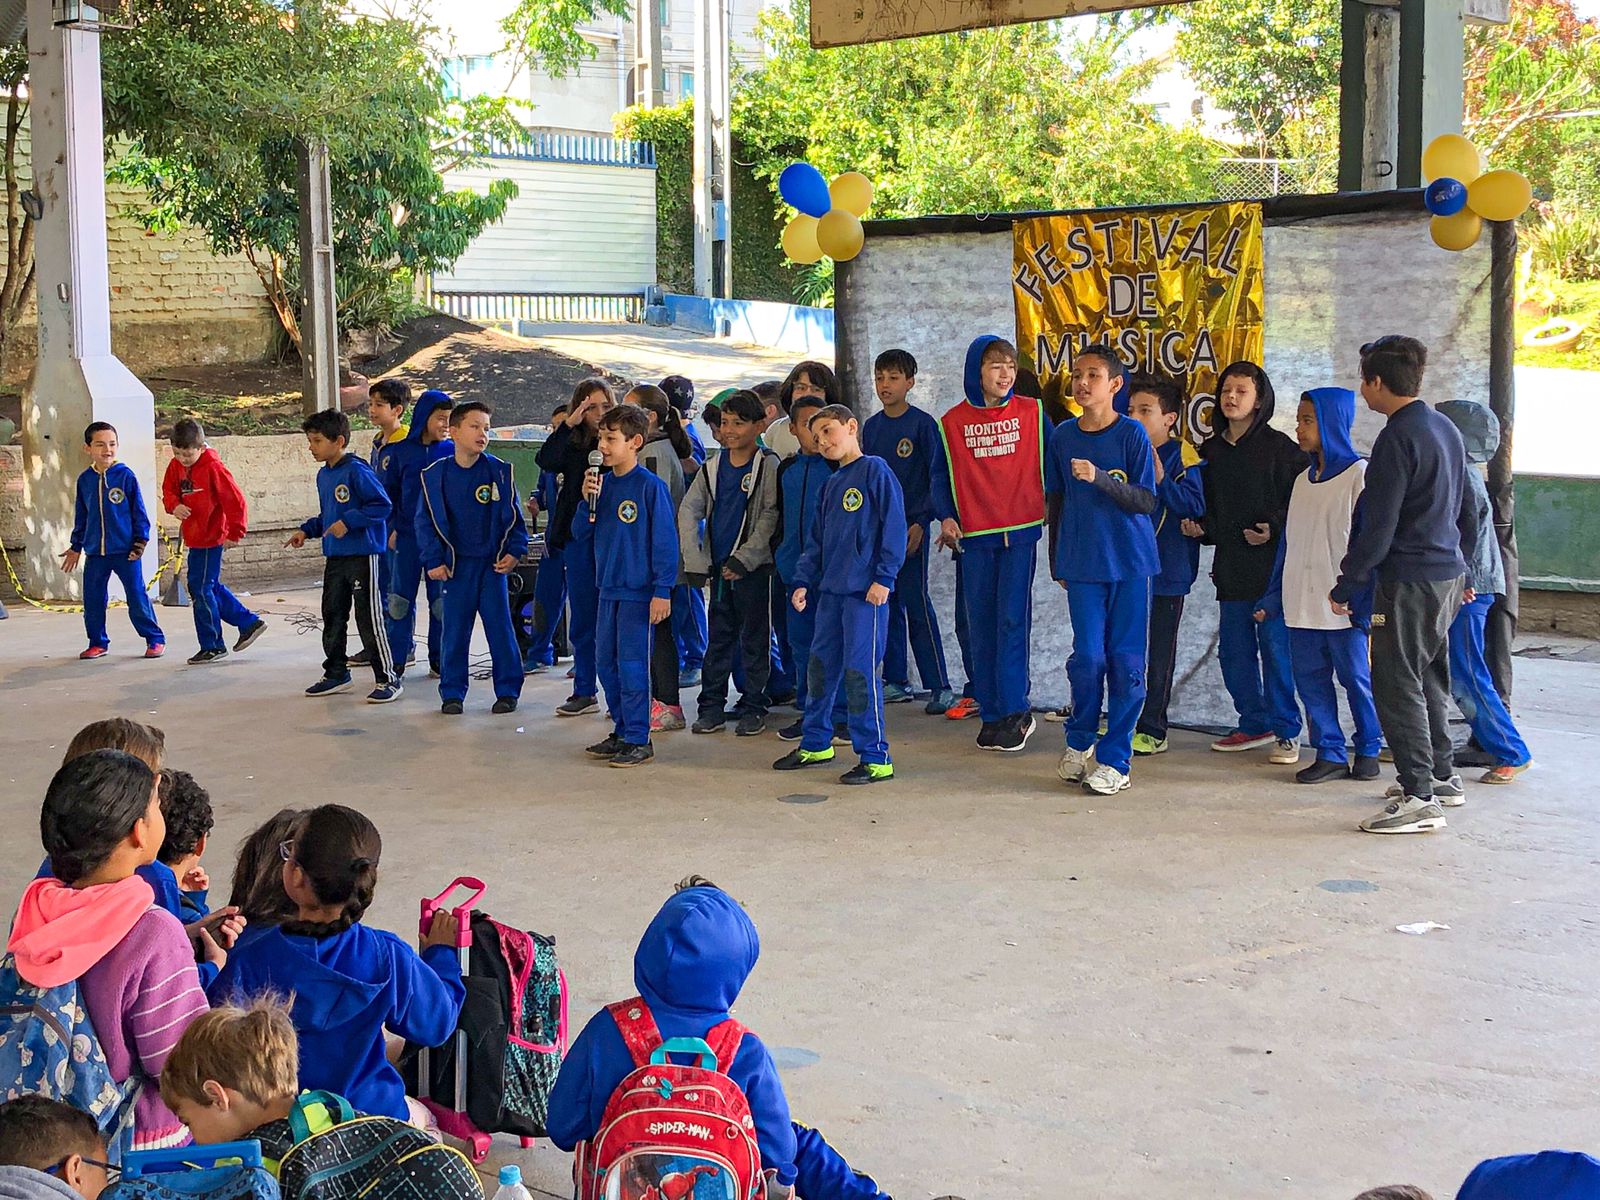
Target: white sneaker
pixel 1074 765
pixel 1285 751
pixel 1447 793
pixel 1408 814
pixel 1107 781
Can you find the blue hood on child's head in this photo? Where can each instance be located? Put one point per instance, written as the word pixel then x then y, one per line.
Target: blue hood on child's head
pixel 696 954
pixel 1336 413
pixel 427 403
pixel 1480 428
pixel 1548 1175
pixel 972 377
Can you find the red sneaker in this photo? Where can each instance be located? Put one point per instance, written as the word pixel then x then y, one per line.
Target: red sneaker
pixel 155 650
pixel 1240 740
pixel 963 709
pixel 94 652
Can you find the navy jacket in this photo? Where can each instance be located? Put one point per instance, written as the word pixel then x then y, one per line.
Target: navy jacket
pixel 689 967
pixel 347 989
pixel 635 537
pixel 859 538
pixel 469 512
pixel 914 449
pixel 1100 531
pixel 401 464
pixel 109 516
pixel 349 491
pixel 1180 495
pixel 800 483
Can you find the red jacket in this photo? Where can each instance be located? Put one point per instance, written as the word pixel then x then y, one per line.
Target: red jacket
pixel 217 512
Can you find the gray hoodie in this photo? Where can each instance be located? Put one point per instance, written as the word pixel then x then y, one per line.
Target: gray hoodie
pixel 1480 430
pixel 24 1183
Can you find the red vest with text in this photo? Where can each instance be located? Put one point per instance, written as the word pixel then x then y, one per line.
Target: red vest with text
pixel 996 460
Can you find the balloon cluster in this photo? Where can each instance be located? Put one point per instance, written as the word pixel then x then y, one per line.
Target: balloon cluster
pixel 1462 195
pixel 830 213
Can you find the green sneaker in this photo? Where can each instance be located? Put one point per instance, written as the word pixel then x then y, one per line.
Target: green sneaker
pixel 1144 744
pixel 868 773
pixel 796 759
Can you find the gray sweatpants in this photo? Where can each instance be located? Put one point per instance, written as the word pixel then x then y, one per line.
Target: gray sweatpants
pixel 1411 678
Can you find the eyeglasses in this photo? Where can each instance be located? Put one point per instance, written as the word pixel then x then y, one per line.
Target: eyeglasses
pixel 286 850
pixel 112 1173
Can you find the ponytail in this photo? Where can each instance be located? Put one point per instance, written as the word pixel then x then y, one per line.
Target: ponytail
pixel 677 434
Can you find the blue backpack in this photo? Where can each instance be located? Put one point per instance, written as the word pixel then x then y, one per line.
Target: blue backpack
pixel 48 1047
pixel 229 1171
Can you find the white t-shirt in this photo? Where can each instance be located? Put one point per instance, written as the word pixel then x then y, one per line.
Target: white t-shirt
pixel 1316 540
pixel 780 439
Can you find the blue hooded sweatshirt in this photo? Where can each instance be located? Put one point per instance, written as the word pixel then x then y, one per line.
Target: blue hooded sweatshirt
pixel 859 537
pixel 635 536
pixel 109 516
pixel 800 483
pixel 1480 431
pixel 348 491
pixel 1180 496
pixel 401 463
pixel 691 963
pixel 1548 1175
pixel 347 989
pixel 469 512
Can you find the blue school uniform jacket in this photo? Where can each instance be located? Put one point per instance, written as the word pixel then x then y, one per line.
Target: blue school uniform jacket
pixel 1104 534
pixel 401 463
pixel 800 483
pixel 914 449
pixel 469 512
pixel 635 536
pixel 109 516
pixel 347 989
pixel 859 538
pixel 1180 495
pixel 348 491
pixel 691 963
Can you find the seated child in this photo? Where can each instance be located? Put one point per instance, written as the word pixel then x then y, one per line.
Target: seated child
pixel 257 890
pixel 186 807
pixel 234 1071
pixel 97 923
pixel 49 1150
pixel 348 982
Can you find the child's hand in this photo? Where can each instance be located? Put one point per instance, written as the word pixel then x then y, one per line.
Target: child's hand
pixel 296 540
pixel 70 560
pixel 533 508
pixel 1259 534
pixel 1161 472
pixel 949 533
pixel 337 530
pixel 660 610
pixel 394 539
pixel 211 951
pixel 798 600
pixel 877 595
pixel 136 553
pixel 730 574
pixel 233 542
pixel 591 485
pixel 1339 610
pixel 195 879
pixel 1083 469
pixel 1468 596
pixel 1192 528
pixel 505 564
pixel 439 573
pixel 183 512
pixel 1260 615
pixel 914 537
pixel 443 930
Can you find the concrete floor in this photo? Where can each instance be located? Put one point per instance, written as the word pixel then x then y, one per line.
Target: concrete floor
pixel 976 981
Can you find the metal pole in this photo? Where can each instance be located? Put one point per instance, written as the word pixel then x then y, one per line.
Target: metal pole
pixel 703 214
pixel 319 321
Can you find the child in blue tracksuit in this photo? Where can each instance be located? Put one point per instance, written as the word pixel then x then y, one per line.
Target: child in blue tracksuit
pixel 636 565
pixel 550 584
pixel 471 535
pixel 852 557
pixel 427 440
pixel 1100 479
pixel 1324 511
pixel 689 968
pixel 347 982
pixel 111 526
pixel 908 440
pixel 1471 683
pixel 352 522
pixel 1156 404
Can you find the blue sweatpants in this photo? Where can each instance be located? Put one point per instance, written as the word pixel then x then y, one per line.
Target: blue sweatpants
pixel 1254 657
pixel 1474 690
pixel 782 680
pixel 1318 656
pixel 963 629
pixel 583 611
pixel 400 624
pixel 823 1174
pixel 97 572
pixel 802 632
pixel 1110 622
pixel 476 591
pixel 549 597
pixel 997 584
pixel 847 650
pixel 911 614
pixel 622 656
pixel 214 605
pixel 689 627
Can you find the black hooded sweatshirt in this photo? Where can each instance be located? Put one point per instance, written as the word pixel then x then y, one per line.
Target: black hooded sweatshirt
pixel 565 453
pixel 1248 482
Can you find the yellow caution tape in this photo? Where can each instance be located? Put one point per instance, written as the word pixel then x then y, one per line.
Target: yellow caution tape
pixel 47 606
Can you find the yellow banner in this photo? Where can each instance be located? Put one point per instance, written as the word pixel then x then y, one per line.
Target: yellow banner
pixel 1176 291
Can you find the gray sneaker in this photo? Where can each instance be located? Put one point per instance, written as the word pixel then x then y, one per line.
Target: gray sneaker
pixel 1407 814
pixel 1447 793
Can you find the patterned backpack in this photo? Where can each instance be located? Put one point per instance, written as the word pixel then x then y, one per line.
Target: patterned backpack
pixel 226 1171
pixel 48 1047
pixel 672 1132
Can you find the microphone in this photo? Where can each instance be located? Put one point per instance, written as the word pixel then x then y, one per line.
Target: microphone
pixel 595 459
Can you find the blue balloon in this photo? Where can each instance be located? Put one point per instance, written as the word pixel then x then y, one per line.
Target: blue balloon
pixel 1445 197
pixel 802 186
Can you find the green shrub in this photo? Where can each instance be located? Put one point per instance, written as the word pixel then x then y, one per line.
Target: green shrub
pixel 1566 243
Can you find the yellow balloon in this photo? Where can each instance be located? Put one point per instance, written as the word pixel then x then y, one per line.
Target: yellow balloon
pixel 1500 195
pixel 1451 155
pixel 800 240
pixel 1458 232
pixel 839 234
pixel 852 192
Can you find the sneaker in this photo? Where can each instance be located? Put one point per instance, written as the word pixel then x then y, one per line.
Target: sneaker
pixel 386 694
pixel 433 670
pixel 1014 732
pixel 898 693
pixel 1074 765
pixel 632 755
pixel 665 718
pixel 451 708
pixel 1059 716
pixel 1365 767
pixel 863 773
pixel 359 659
pixel 796 759
pixel 781 700
pixel 1448 793
pixel 578 706
pixel 1407 814
pixel 249 634
pixel 1106 781
pixel 712 722
pixel 963 709
pixel 689 679
pixel 608 747
pixel 534 667
pixel 207 656
pixel 792 733
pixel 1321 771
pixel 155 650
pixel 1285 752
pixel 751 725
pixel 325 686
pixel 100 652
pixel 939 703
pixel 987 734
pixel 841 735
pixel 1240 740
pixel 504 704
pixel 1504 773
pixel 1144 745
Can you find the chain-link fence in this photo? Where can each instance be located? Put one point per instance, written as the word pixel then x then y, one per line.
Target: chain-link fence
pixel 1253 178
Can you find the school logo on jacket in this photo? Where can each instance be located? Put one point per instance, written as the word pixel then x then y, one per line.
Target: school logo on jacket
pixel 748 482
pixel 116 495
pixel 627 512
pixel 485 493
pixel 384 462
pixel 905 448
pixel 852 499
pixel 342 494
pixel 1118 474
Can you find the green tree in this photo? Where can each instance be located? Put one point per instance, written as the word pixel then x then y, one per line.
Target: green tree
pixel 546 32
pixel 17 282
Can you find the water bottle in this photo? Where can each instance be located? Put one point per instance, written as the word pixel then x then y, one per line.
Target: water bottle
pixel 511 1184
